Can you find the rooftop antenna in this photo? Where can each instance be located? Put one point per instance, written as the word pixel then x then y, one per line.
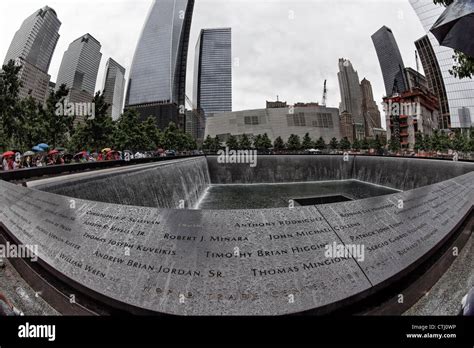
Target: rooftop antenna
pixel 278 98
pixel 325 94
pixel 417 81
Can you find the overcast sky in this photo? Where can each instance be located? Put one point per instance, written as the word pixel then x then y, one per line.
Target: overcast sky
pixel 284 47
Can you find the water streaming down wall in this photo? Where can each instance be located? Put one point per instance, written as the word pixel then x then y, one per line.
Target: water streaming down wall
pixel 397 173
pixel 161 185
pixel 164 185
pixel 281 169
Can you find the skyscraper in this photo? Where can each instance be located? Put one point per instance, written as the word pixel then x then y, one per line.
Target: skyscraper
pixel 351 95
pixel 460 93
pixel 390 60
pixel 32 48
pixel 157 82
pixel 434 78
pixel 213 71
pixel 114 87
pixel 370 109
pixel 79 68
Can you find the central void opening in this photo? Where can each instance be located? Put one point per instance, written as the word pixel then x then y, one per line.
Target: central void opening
pixel 261 196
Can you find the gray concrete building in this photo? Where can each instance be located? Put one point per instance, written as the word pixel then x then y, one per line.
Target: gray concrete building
pixel 318 121
pixel 114 88
pixel 32 48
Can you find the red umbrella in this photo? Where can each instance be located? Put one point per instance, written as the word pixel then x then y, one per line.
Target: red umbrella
pixel 8 154
pixel 53 152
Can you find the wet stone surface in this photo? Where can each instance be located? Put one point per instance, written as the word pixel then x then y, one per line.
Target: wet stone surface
pixel 270 261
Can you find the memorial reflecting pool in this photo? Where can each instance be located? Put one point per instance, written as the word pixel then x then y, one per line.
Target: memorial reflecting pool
pixel 261 196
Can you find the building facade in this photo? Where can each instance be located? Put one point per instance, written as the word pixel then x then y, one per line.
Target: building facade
pixel 157 82
pixel 32 48
pixel 390 60
pixel 114 88
pixel 318 121
pixel 346 126
pixel 349 87
pixel 460 93
pixel 370 110
pixel 213 71
pixel 434 78
pixel 410 112
pixel 79 68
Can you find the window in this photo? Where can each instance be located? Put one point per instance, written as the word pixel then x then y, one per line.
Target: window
pixel 251 120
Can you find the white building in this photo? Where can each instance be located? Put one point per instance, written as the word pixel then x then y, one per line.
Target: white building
pixel 318 121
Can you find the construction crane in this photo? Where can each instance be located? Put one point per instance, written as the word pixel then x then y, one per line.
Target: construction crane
pixel 325 94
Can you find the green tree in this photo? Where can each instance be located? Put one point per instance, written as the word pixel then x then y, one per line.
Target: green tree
pixel 208 143
pixel 94 133
pixel 377 144
pixel 217 143
pixel 10 109
pixel 266 142
pixel 294 142
pixel 32 129
pixel 58 124
pixel 173 138
pixel 419 142
pixel 128 134
pixel 262 142
pixel 153 136
pixel 345 144
pixel 257 141
pixel 394 145
pixel 232 143
pixel 278 144
pixel 460 142
pixel 320 144
pixel 307 142
pixel 356 145
pixel 365 144
pixel 333 144
pixel 245 143
pixel 428 142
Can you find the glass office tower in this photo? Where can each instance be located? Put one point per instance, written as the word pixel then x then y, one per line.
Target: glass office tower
pixel 460 93
pixel 213 71
pixel 157 82
pixel 114 88
pixel 390 60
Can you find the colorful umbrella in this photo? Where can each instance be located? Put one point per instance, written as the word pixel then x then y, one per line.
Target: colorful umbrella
pixel 43 146
pixel 37 149
pixel 107 149
pixel 28 153
pixel 54 152
pixel 8 154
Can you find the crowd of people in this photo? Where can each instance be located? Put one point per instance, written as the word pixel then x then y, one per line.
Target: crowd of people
pixel 40 157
